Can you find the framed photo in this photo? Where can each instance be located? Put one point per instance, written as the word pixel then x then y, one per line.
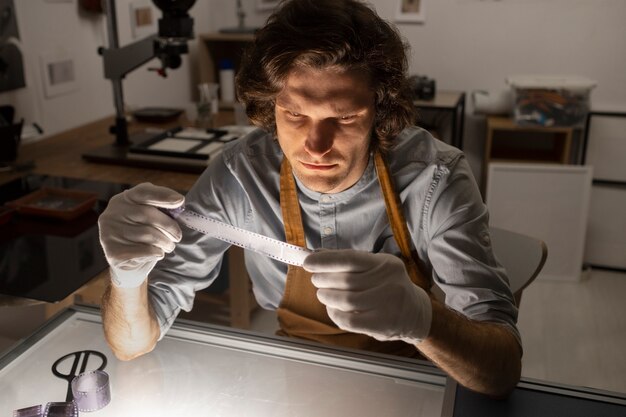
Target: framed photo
pixel 59 73
pixel 266 4
pixel 143 20
pixel 410 11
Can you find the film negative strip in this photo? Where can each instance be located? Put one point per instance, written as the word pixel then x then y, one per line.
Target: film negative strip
pixel 275 249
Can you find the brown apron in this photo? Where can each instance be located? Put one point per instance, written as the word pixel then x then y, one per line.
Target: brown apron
pixel 300 313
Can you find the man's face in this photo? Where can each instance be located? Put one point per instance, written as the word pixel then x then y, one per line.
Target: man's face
pixel 324 120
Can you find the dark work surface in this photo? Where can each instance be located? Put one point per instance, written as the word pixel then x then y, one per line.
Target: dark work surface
pixel 537 403
pixel 47 259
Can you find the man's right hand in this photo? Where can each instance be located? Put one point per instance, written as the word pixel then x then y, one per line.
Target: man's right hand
pixel 135 234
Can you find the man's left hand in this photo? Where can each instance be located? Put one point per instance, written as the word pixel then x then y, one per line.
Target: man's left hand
pixel 370 294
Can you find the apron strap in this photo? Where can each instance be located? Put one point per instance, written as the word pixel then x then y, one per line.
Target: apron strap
pixel 292 219
pixel 398 223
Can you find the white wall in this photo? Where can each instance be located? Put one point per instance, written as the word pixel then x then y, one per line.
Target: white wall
pixel 50 26
pixel 475 44
pixel 47 27
pixel 463 44
pixel 469 44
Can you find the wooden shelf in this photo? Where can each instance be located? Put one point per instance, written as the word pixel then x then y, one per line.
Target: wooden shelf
pixel 509 142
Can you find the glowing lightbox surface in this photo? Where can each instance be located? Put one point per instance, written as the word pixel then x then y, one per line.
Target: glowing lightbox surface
pixel 214 371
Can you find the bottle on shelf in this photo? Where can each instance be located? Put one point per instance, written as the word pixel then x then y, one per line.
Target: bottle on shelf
pixel 227 81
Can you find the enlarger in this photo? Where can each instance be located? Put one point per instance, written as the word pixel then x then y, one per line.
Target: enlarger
pixel 175 29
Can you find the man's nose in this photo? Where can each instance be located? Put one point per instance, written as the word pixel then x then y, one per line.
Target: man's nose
pixel 320 138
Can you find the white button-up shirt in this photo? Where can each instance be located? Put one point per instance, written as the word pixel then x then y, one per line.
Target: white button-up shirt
pixel 446 218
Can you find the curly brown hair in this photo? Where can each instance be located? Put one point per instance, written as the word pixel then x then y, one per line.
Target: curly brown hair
pixel 346 34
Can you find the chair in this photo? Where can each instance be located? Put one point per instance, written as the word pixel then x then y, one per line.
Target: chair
pixel 522 256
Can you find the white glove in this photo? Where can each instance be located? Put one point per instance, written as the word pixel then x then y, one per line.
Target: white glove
pixel 135 234
pixel 370 294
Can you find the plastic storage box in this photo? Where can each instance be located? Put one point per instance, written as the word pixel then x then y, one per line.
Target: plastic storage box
pixel 550 100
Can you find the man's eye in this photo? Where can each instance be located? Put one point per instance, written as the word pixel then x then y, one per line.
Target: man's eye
pixel 348 118
pixel 294 114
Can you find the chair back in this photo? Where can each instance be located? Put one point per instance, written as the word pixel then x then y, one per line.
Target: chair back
pixel 522 256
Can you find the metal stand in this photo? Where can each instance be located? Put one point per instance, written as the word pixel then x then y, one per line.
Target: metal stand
pixel 117 63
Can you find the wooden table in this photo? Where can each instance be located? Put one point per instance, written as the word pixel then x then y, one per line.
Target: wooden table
pixel 61 155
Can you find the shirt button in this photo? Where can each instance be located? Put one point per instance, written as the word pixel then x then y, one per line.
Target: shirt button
pixel 328 231
pixel 326 199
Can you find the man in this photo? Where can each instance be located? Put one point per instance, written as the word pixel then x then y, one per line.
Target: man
pixel 335 166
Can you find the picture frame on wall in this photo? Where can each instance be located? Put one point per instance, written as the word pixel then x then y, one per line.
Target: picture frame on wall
pixel 143 20
pixel 410 11
pixel 59 73
pixel 266 4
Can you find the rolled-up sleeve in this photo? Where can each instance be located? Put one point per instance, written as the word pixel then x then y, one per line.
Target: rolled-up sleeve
pixel 196 261
pixel 459 248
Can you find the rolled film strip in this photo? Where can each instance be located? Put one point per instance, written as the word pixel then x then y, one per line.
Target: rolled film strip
pixel 52 409
pixel 91 390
